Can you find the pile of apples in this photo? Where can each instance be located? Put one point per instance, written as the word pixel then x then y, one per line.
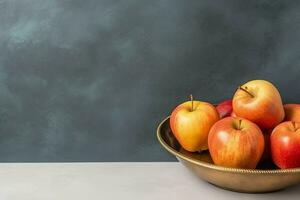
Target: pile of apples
pixel 241 132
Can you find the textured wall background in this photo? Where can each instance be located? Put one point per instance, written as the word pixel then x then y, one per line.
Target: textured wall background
pixel 90 80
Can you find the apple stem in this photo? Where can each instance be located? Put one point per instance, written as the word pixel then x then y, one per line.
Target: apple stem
pixel 192 102
pixel 294 125
pixel 245 90
pixel 240 124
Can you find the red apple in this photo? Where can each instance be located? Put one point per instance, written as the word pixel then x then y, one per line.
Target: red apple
pixel 285 145
pixel 236 142
pixel 260 102
pixel 225 108
pixel 190 123
pixel 292 112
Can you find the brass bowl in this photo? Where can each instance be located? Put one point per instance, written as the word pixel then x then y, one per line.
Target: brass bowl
pixel 266 178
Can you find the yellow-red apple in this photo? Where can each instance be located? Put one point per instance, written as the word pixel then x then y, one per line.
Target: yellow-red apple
pixel 236 142
pixel 190 123
pixel 285 145
pixel 260 102
pixel 292 112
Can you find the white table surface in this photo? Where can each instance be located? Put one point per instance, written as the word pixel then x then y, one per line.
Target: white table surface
pixel 89 181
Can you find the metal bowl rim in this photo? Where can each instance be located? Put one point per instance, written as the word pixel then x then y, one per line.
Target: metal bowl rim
pixel 215 167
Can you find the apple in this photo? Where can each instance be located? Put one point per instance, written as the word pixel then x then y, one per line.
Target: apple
pixel 233 114
pixel 190 123
pixel 260 102
pixel 225 108
pixel 236 142
pixel 285 145
pixel 292 112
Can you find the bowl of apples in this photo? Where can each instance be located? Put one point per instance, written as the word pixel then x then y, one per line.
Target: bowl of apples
pixel 248 144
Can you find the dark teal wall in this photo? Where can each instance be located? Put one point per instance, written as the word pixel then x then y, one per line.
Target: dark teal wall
pixel 90 80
